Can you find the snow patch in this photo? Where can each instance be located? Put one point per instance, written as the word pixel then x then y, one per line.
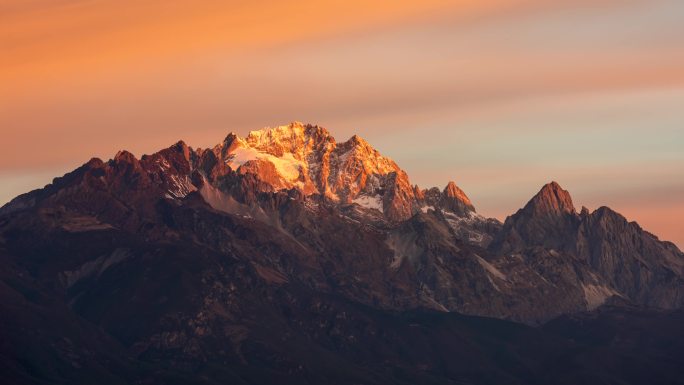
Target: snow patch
pixel 369 202
pixel 180 187
pixel 218 200
pixel 491 269
pixel 496 287
pixel 287 166
pixel 468 227
pixel 426 208
pixel 241 156
pixel 596 295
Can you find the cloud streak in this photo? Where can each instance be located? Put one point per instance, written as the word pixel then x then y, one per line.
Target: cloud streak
pixel 502 96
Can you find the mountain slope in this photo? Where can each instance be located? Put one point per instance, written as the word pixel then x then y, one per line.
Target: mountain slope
pixel 163 312
pixel 285 253
pixel 622 259
pixel 344 218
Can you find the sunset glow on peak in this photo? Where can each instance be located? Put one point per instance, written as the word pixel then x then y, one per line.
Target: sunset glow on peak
pixel 502 95
pixel 342 192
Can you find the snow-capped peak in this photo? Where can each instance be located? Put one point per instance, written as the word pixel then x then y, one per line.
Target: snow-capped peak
pixel 307 158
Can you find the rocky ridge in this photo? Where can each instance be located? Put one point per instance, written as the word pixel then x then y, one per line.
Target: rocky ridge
pixel 289 219
pixel 344 206
pixel 307 158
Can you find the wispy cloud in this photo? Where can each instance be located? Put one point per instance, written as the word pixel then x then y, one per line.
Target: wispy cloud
pixel 500 95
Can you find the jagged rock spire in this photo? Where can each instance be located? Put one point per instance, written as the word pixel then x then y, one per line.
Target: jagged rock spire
pixel 455 200
pixel 548 219
pixel 551 199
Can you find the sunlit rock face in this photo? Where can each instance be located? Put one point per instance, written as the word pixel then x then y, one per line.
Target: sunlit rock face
pixel 228 257
pixel 196 255
pixel 307 158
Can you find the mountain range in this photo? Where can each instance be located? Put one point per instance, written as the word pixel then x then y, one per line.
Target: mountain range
pixel 288 257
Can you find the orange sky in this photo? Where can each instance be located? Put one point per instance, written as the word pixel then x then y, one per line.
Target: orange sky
pixel 501 96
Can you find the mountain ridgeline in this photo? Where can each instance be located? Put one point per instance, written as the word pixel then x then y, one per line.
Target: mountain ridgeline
pixel 285 254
